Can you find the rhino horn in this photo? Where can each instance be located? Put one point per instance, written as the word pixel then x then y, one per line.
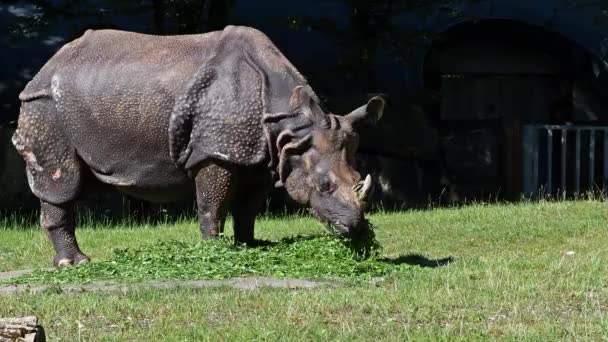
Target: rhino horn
pixel 363 189
pixel 372 111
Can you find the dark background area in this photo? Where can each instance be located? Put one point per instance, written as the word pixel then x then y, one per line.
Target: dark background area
pixel 462 77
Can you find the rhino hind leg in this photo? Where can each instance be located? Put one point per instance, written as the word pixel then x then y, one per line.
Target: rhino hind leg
pixel 54 174
pixel 59 221
pixel 214 192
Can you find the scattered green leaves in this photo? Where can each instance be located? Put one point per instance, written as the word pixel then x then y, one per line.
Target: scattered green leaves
pixel 365 244
pixel 310 257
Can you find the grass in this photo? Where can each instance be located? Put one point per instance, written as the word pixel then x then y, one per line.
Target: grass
pixel 510 279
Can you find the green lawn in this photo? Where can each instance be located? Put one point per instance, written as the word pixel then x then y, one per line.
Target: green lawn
pixel 510 279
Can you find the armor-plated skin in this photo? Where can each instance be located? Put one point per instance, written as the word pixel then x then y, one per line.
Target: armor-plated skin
pixel 222 113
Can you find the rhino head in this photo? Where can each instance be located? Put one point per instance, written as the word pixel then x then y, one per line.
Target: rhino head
pixel 316 159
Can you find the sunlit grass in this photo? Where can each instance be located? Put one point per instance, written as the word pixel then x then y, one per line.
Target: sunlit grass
pixel 511 278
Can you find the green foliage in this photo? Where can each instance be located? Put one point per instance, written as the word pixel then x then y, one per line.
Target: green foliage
pixel 375 26
pixel 365 244
pixel 164 16
pixel 312 257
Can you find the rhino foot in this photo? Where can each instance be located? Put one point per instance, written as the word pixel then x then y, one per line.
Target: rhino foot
pixel 69 260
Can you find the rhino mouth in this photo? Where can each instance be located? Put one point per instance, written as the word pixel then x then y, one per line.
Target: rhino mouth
pixel 337 228
pixel 334 227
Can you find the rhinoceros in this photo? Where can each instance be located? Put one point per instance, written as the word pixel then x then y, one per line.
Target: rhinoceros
pixel 222 116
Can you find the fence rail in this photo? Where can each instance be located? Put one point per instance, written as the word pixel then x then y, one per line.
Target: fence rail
pixel 565 158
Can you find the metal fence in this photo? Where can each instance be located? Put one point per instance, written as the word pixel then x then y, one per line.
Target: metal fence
pixel 564 159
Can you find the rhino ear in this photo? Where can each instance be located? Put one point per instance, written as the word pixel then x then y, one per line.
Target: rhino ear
pixel 372 111
pixel 305 101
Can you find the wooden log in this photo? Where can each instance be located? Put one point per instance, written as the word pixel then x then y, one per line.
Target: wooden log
pixel 22 329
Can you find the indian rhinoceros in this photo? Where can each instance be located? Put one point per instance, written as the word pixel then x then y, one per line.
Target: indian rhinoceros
pixel 221 115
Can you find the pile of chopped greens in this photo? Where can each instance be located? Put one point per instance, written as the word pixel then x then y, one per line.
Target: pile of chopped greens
pixel 318 257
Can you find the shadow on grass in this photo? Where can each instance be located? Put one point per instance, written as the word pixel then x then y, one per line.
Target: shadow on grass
pixel 410 259
pixel 419 260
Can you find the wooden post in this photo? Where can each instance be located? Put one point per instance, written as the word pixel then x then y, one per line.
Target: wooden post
pixel 24 329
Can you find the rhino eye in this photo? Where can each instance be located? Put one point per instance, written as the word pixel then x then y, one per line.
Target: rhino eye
pixel 324 185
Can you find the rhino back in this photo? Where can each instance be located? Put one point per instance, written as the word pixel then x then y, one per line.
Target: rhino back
pixel 114 92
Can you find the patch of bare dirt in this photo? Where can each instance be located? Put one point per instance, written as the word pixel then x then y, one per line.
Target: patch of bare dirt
pixel 13 274
pixel 249 283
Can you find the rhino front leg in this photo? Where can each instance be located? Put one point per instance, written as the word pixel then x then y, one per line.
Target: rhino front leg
pixel 214 192
pixel 249 198
pixel 59 223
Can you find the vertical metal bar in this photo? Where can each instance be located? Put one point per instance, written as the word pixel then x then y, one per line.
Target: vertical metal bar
pixel 535 159
pixel 606 160
pixel 548 186
pixel 564 150
pixel 528 157
pixel 591 158
pixel 577 167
